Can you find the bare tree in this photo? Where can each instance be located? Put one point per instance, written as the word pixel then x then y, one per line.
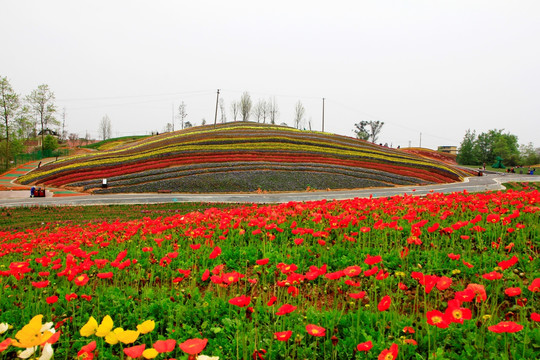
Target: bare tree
pixel 168 128
pixel 73 137
pixel 223 117
pixel 182 114
pixel 9 104
pixel 41 102
pixel 105 128
pixel 273 111
pixel 235 109
pixel 260 110
pixel 245 106
pixel 299 112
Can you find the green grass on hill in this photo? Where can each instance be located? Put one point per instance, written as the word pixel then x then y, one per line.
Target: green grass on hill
pixel 123 139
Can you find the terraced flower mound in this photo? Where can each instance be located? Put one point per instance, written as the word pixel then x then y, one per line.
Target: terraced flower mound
pixel 238 157
pixel 432 154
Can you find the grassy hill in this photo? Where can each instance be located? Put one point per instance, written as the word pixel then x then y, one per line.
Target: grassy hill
pixel 242 156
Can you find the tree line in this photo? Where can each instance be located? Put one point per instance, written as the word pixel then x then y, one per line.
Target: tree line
pixel 22 116
pixel 263 111
pixel 487 146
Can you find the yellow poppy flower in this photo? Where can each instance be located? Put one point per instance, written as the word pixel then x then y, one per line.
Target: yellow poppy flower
pixel 105 327
pixel 111 338
pixel 146 326
pixel 90 327
pixel 125 336
pixel 30 335
pixel 150 353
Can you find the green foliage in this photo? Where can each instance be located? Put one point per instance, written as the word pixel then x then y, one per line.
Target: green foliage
pixel 467 154
pixel 50 143
pixel 485 148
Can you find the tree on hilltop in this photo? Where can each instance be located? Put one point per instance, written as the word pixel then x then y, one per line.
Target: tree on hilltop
pixel 245 106
pixel 105 128
pixel 368 130
pixel 299 112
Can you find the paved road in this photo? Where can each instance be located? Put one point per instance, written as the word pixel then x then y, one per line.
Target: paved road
pixel 472 184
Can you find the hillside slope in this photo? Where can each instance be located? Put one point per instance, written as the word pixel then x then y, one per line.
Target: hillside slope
pixel 242 156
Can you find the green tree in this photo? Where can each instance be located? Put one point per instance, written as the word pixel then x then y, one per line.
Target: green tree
pixel 245 106
pixel 371 128
pixel 360 131
pixel 50 143
pixel 9 106
pixel 466 153
pixel 41 102
pixel 529 155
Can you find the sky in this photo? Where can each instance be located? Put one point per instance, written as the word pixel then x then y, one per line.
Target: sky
pixel 430 70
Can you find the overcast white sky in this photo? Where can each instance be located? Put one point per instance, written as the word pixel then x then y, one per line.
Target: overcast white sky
pixel 431 67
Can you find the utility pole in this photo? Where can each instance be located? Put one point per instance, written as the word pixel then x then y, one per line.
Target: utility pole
pixel 322 114
pixel 217 101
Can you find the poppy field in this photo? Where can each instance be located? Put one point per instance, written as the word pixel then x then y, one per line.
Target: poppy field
pixel 437 277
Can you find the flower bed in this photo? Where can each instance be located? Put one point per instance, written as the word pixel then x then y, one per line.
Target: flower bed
pixel 399 278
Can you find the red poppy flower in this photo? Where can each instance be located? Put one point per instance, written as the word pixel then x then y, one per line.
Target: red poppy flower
pixel 494 275
pixel 408 329
pixel 384 304
pixel 51 299
pixel 493 218
pixel 352 283
pixel 365 346
pixel 352 271
pixel 86 297
pixel 86 351
pixel 410 342
pixel 444 283
pixel 389 354
pixel 513 291
pixel 437 318
pixel 285 309
pixel 403 253
pixel 193 346
pixel 40 284
pixel 334 275
pixel 358 295
pixel 506 327
pixel 81 280
pixel 535 317
pixel 371 271
pixel 315 330
pixel 71 296
pixel 283 335
pixel 372 260
pixel 195 246
pixel 262 261
pixel 106 275
pixel 535 285
pixel 454 256
pixel 479 290
pixel 240 301
pixel 215 253
pixel 163 346
pixel 134 351
pixel 298 241
pixel 272 300
pixel 429 282
pixel 469 265
pixel 5 344
pixel 505 264
pixel 455 313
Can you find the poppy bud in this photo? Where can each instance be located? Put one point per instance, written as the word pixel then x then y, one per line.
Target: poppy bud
pixel 334 340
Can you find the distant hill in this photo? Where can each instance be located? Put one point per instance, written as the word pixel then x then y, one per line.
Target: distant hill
pixel 242 157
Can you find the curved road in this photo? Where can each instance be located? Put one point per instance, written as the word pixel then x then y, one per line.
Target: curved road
pixel 471 184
